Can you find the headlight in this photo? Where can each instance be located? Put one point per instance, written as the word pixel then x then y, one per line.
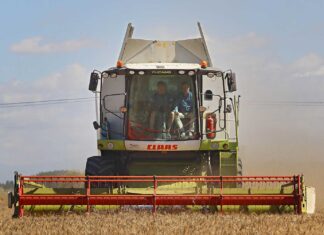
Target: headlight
pixel 219 74
pixel 141 73
pixel 190 73
pixel 210 75
pixel 181 72
pixel 110 146
pixel 105 75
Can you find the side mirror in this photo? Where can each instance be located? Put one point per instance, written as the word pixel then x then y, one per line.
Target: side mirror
pixel 208 95
pixel 96 125
pixel 231 82
pixel 94 77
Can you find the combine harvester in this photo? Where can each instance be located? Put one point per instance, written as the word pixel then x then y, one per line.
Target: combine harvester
pixel 168 135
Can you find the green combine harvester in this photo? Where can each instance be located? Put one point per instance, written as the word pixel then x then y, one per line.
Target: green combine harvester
pixel 167 125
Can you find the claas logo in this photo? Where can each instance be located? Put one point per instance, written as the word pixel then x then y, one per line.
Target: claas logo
pixel 162 147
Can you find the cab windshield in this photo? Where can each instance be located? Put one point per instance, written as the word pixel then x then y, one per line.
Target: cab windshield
pixel 161 107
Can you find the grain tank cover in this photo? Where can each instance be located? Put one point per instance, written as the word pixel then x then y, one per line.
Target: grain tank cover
pixel 153 51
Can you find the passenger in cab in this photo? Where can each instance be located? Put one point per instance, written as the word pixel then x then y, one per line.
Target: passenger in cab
pixel 182 114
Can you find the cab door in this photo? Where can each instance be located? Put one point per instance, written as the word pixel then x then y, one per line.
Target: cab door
pixel 212 93
pixel 112 99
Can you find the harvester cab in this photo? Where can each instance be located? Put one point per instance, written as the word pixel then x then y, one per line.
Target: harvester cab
pixel 165 108
pixel 167 125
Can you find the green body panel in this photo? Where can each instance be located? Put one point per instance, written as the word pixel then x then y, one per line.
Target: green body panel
pixel 228 163
pixel 111 145
pixel 212 145
pixel 224 160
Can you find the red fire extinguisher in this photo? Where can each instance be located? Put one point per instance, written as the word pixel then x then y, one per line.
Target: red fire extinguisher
pixel 211 127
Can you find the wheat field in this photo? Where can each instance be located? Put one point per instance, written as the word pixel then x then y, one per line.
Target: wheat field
pixel 165 222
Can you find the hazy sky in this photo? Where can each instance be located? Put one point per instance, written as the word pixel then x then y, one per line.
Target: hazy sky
pixel 48 49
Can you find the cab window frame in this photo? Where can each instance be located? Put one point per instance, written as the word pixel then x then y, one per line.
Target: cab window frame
pixel 152 72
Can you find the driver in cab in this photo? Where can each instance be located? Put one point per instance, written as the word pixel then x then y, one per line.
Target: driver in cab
pixel 160 109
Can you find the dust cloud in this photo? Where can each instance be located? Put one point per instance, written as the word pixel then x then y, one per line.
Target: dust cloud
pixel 283 139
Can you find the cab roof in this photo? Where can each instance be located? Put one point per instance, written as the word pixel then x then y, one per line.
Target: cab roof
pixel 179 66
